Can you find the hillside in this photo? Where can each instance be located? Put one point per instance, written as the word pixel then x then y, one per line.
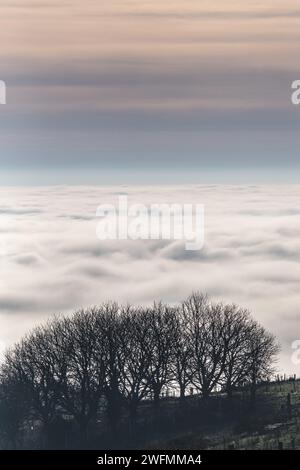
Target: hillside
pixel 271 424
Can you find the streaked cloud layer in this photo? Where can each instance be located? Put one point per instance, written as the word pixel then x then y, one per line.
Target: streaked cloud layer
pixel 138 84
pixel 53 263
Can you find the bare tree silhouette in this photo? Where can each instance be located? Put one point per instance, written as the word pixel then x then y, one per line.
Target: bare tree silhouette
pixel 101 364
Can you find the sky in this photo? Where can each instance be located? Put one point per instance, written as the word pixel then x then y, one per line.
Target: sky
pixel 149 91
pixel 174 100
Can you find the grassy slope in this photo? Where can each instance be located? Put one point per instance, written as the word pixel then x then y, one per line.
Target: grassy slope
pixel 269 425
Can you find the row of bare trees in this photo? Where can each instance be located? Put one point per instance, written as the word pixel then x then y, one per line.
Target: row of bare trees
pixel 109 359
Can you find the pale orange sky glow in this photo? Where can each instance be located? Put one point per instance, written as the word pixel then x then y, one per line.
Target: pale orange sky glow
pixel 145 96
pixel 126 82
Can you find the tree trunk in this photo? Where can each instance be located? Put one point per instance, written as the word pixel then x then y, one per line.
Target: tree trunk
pixel 205 393
pixel 133 417
pixel 83 433
pixel 114 414
pixel 182 393
pixel 229 391
pixel 156 396
pixel 253 392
